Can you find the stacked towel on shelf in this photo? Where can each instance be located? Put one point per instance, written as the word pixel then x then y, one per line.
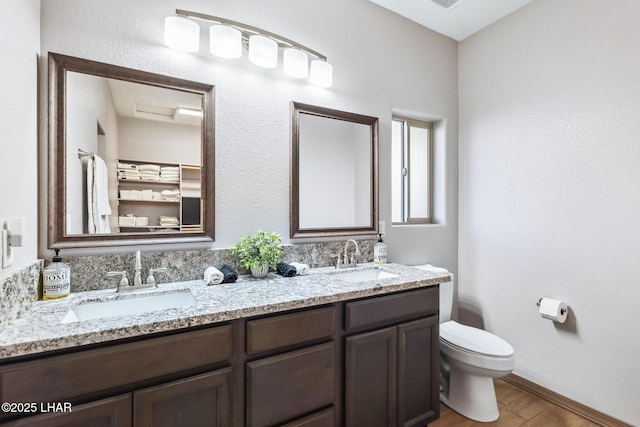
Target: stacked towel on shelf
pixel 170 195
pixel 149 172
pixel 191 188
pixel 169 221
pixel 128 166
pixel 169 174
pixel 130 174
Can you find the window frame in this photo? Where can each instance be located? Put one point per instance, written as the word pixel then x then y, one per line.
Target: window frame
pixel 407 124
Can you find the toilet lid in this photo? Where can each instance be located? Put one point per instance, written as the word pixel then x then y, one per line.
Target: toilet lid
pixel 474 340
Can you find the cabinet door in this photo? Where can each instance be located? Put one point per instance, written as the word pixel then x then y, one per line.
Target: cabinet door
pixel 370 379
pixel 197 401
pixel 418 394
pixel 111 412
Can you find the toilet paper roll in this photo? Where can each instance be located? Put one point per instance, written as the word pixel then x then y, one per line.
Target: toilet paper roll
pixel 553 309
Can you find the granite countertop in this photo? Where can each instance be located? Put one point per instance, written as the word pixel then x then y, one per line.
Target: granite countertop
pixel 39 329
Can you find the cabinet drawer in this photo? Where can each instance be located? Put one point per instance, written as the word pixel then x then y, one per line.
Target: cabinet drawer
pixel 285 330
pixel 290 385
pixel 324 418
pixel 390 309
pixel 65 377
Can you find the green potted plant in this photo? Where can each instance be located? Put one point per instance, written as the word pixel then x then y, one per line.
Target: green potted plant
pixel 259 252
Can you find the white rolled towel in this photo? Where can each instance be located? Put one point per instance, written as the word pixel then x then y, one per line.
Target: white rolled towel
pixel 213 276
pixel 432 268
pixel 302 269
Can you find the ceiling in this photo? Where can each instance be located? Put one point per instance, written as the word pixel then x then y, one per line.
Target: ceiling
pixel 154 103
pixel 457 19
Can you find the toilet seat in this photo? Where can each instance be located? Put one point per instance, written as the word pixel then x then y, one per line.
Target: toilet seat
pixel 474 340
pixel 475 348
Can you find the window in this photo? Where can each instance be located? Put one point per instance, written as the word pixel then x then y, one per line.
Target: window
pixel 411 171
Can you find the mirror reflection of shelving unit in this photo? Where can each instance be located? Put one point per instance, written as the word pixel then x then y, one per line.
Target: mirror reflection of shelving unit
pixel 157 197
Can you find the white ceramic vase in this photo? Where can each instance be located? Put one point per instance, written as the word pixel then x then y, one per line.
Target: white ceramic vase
pixel 260 271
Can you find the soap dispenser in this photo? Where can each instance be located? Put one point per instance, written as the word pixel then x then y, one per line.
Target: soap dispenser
pixel 380 251
pixel 56 280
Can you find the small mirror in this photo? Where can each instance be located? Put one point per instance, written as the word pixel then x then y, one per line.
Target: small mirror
pixel 334 173
pixel 131 156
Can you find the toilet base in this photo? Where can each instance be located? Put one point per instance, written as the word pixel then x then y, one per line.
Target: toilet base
pixel 472 396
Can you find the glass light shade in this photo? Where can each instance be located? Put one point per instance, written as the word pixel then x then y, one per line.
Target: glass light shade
pixel 321 73
pixel 263 51
pixel 181 34
pixel 295 63
pixel 225 42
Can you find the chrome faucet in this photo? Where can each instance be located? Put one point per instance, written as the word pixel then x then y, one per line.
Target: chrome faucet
pixel 138 284
pixel 346 261
pixel 137 275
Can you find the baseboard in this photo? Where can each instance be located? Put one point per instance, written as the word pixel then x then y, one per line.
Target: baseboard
pixel 564 402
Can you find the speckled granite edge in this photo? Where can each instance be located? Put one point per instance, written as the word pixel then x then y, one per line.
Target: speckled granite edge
pixel 89 272
pixel 41 330
pixel 18 290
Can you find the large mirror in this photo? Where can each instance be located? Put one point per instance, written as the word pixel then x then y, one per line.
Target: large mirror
pixel 131 156
pixel 334 172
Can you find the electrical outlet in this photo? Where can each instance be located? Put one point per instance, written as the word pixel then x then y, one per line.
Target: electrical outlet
pixel 381 226
pixel 7 253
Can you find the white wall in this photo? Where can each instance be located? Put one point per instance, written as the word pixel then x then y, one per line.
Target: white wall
pixel 155 141
pixel 253 104
pixel 19 49
pixel 550 194
pixel 89 103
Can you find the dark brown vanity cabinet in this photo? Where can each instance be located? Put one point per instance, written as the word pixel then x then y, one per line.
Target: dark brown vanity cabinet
pixel 367 362
pixel 297 371
pixel 151 382
pixel 391 371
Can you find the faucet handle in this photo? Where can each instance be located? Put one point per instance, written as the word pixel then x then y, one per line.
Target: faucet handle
pixel 151 280
pixel 354 259
pixel 124 281
pixel 338 258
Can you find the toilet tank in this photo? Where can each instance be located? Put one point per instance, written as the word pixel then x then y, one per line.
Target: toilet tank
pixel 446 292
pixel 446 301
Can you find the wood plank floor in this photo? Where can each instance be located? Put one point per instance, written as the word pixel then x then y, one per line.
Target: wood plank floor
pixel 517 408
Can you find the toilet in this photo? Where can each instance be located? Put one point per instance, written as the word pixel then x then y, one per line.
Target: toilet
pixel 470 359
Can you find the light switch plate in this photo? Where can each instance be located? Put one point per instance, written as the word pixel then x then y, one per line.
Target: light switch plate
pixel 7 253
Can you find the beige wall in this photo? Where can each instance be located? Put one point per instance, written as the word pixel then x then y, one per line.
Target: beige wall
pixel 550 194
pixel 19 49
pixel 253 104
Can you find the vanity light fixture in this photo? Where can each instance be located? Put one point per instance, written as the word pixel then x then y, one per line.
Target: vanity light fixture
pixel 227 39
pixel 295 63
pixel 263 51
pixel 188 112
pixel 181 33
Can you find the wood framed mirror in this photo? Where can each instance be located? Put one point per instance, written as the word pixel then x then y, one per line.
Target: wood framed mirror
pixel 334 173
pixel 131 156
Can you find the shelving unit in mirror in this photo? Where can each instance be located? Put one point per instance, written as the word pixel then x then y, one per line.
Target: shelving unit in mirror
pixel 158 197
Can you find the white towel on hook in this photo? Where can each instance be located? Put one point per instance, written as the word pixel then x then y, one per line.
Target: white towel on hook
pixel 98 207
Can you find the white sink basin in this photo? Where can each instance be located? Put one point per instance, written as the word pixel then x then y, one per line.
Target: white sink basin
pixel 364 275
pixel 135 305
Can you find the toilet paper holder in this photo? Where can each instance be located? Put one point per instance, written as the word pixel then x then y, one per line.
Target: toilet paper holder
pixel 562 310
